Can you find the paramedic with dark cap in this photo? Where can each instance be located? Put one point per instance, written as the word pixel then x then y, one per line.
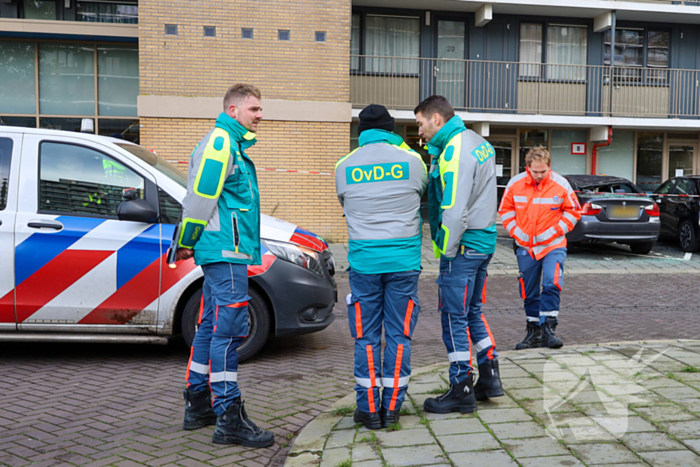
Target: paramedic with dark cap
pixel 380 185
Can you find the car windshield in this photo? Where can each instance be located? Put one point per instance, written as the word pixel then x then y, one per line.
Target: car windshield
pixel 160 164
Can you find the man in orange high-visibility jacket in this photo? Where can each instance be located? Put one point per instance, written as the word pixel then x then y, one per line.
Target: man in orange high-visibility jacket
pixel 538 209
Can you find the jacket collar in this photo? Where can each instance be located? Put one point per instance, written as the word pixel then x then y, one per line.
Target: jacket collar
pixel 454 126
pixel 531 181
pixel 379 136
pixel 237 131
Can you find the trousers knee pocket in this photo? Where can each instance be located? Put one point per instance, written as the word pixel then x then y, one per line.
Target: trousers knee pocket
pixel 231 320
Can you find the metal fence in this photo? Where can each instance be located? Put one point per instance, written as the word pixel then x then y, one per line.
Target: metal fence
pixel 526 88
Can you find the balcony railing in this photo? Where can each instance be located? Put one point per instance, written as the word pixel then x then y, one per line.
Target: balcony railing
pixel 526 88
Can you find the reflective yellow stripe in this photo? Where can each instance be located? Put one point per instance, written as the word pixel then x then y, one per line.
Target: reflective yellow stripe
pixel 221 155
pixel 449 163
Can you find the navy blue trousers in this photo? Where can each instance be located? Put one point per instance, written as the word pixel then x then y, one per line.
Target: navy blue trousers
pixel 462 289
pixel 547 273
pixel 223 324
pixel 390 301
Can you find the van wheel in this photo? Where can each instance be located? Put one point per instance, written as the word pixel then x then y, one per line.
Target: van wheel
pixel 258 323
pixel 641 248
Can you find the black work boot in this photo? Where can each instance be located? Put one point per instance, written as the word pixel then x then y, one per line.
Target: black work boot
pixel 548 338
pixel 370 420
pixel 390 417
pixel 198 411
pixel 489 383
pixel 234 427
pixel 459 398
pixel 533 337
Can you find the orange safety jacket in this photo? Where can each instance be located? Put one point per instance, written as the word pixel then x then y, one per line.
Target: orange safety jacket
pixel 538 216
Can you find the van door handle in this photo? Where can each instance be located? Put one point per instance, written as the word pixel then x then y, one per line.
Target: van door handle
pixel 46 224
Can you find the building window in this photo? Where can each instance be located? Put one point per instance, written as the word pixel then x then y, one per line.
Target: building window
pixel 629 53
pixel 171 29
pixel 66 74
pixel 320 36
pixel 209 31
pixel 283 34
pixel 650 150
pixel 565 53
pixel 390 43
pixel 355 49
pixel 247 33
pixel 39 9
pixel 103 12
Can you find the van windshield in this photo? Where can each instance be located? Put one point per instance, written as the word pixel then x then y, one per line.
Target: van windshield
pixel 158 162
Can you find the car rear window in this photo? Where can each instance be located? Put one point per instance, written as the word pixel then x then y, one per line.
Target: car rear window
pixel 618 188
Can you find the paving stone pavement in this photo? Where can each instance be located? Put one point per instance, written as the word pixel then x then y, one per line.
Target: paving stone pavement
pixel 625 404
pixel 94 405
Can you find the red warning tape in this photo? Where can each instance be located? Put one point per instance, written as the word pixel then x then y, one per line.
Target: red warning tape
pixel 310 172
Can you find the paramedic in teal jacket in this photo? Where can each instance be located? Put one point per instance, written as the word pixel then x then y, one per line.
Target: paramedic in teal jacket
pixel 221 228
pixel 462 208
pixel 379 186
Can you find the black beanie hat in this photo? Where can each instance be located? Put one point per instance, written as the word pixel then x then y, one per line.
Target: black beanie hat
pixel 375 117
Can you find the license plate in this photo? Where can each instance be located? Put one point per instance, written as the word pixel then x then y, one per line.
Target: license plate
pixel 624 212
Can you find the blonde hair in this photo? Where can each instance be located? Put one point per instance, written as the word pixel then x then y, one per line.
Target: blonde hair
pixel 538 154
pixel 238 92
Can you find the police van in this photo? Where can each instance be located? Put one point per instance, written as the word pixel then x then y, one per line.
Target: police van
pixel 85 225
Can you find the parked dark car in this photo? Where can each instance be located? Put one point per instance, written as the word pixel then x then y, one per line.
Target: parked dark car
pixel 613 209
pixel 679 206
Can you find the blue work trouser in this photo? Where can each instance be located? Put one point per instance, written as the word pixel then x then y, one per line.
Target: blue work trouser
pixel 223 324
pixel 462 288
pixel 550 272
pixel 390 299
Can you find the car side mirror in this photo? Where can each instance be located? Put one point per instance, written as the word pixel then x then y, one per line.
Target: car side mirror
pixel 137 210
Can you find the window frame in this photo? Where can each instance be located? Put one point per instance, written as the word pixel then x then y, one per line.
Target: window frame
pixel 362 59
pixel 644 79
pixel 150 189
pixel 544 58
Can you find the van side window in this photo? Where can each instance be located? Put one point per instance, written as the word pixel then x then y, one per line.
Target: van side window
pixel 170 209
pixel 5 157
pixel 79 180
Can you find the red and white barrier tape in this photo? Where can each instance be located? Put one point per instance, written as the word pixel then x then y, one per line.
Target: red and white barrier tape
pixel 259 169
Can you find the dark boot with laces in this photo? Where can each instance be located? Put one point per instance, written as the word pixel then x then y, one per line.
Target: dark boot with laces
pixel 389 417
pixel 459 398
pixel 489 383
pixel 234 427
pixel 549 339
pixel 532 339
pixel 198 411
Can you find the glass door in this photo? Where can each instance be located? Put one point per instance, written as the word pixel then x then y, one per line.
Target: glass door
pixel 681 159
pixel 504 148
pixel 450 68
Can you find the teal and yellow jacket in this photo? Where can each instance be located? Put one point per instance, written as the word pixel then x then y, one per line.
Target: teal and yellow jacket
pixel 462 201
pixel 379 186
pixel 221 211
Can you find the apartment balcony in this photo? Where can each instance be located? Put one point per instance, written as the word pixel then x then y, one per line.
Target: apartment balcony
pixel 526 88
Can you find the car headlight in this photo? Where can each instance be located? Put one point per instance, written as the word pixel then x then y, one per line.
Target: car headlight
pixel 299 255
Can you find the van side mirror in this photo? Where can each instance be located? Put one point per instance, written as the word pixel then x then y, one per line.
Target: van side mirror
pixel 137 210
